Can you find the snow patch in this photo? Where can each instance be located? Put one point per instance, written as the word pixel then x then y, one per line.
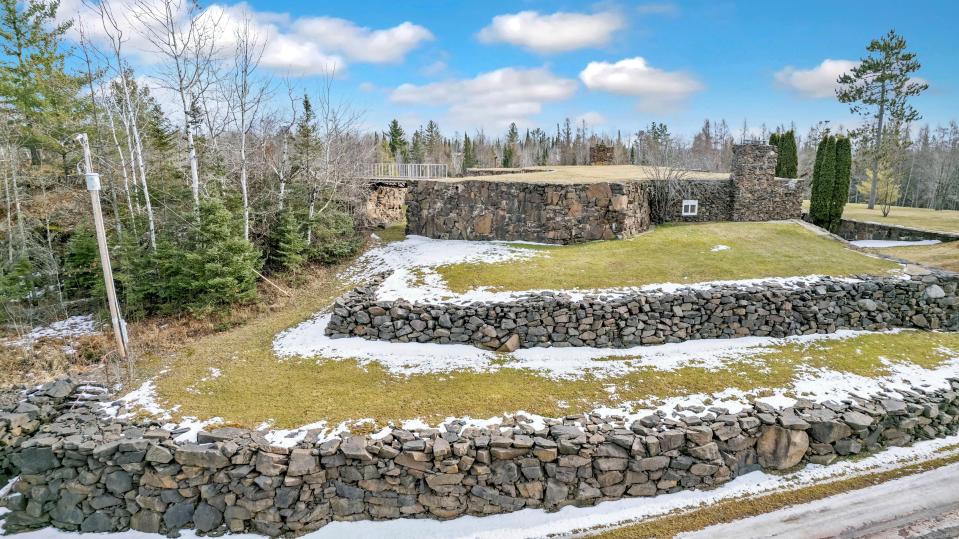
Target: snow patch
pixel 717 248
pixel 74 326
pixel 879 244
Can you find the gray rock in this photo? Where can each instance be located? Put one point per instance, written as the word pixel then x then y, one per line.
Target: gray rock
pixel 780 448
pixel 207 518
pixel 354 447
pixel 98 522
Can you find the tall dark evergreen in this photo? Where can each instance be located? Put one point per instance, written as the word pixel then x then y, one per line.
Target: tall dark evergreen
pixel 788 164
pixel 469 157
pixel 824 175
pixel 397 141
pixel 840 189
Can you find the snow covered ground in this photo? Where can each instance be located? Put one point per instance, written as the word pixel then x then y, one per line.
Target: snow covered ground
pixel 74 326
pixel 879 244
pixel 570 521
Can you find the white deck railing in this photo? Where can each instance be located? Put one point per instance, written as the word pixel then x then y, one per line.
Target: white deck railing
pixel 405 170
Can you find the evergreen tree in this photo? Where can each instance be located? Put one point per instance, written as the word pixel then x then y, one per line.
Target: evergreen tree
pixel 418 147
pixel 788 163
pixel 509 149
pixel 397 141
pixel 774 141
pixel 878 88
pixel 840 190
pixel 336 237
pixel 81 265
pixel 287 244
pixel 823 182
pixel 469 158
pixel 222 266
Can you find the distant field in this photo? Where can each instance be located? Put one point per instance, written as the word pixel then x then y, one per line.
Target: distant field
pixel 942 255
pixel 588 174
pixel 672 254
pixel 924 218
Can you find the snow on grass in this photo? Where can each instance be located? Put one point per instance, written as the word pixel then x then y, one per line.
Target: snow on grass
pixel 74 326
pixel 718 248
pixel 411 265
pixel 143 400
pixel 879 244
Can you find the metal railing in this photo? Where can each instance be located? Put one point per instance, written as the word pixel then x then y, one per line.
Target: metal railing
pixel 405 170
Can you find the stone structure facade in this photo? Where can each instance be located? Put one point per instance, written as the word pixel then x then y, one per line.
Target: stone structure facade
pixel 385 205
pixel 861 230
pixel 82 470
pixel 571 213
pixel 641 318
pixel 550 213
pixel 601 154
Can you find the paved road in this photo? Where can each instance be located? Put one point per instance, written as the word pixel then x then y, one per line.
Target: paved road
pixel 920 506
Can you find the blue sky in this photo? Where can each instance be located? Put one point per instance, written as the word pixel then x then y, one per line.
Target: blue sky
pixel 472 65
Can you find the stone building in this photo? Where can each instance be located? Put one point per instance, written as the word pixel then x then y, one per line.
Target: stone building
pixel 577 204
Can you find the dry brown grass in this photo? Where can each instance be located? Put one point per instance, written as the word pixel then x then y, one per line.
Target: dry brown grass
pixel 48 358
pixel 588 174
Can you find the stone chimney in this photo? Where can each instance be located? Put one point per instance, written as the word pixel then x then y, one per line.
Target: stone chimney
pixel 757 194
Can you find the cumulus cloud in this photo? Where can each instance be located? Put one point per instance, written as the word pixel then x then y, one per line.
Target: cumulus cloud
pixel 552 33
pixel 817 82
pixel 592 118
pixel 295 45
pixel 658 90
pixel 500 96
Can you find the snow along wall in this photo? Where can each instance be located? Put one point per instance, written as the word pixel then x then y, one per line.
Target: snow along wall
pixel 83 470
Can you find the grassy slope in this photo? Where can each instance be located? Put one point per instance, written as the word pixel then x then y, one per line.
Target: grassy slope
pixel 672 253
pixel 942 221
pixel 943 255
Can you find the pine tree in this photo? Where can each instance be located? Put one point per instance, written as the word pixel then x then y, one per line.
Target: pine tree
pixel 469 158
pixel 840 190
pixel 418 147
pixel 775 142
pixel 397 142
pixel 788 156
pixel 222 266
pixel 823 182
pixel 287 246
pixel 510 147
pixel 81 264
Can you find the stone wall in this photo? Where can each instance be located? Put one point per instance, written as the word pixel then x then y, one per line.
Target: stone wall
pixel 601 154
pixel 385 205
pixel 757 194
pixel 861 230
pixel 639 318
pixel 81 470
pixel 715 200
pixel 549 213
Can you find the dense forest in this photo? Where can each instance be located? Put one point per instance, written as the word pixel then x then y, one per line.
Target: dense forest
pixel 245 175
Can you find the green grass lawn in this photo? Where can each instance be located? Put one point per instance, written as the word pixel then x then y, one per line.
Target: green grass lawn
pixel 942 255
pixel 924 218
pixel 673 253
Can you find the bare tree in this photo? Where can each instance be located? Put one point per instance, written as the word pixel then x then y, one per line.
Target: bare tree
pixel 185 37
pixel 247 94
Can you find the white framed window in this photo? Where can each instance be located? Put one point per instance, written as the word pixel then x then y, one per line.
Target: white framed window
pixel 690 208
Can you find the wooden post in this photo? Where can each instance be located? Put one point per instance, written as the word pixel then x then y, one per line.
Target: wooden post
pixel 93 185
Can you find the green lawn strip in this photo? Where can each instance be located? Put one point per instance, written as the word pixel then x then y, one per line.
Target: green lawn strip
pixel 941 255
pixel 671 254
pixel 256 386
pixel 742 507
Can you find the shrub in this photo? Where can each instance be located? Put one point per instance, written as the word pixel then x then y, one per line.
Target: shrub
pixel 81 266
pixel 334 237
pixel 287 246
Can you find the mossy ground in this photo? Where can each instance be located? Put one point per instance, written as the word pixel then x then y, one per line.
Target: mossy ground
pixel 942 255
pixel 677 253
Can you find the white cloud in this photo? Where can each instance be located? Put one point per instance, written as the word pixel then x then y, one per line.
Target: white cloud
pixel 558 32
pixel 501 96
pixel 657 90
pixel 592 118
pixel 817 82
pixel 298 46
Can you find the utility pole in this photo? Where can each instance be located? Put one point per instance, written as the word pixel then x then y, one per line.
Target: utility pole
pixel 93 185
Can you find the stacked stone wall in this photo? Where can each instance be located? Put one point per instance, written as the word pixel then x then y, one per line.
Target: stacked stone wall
pixel 81 470
pixel 757 194
pixel 548 213
pixel 385 205
pixel 863 230
pixel 641 318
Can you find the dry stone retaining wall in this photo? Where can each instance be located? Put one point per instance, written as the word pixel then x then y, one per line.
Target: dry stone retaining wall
pixel 863 230
pixel 81 470
pixel 550 213
pixel 550 319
